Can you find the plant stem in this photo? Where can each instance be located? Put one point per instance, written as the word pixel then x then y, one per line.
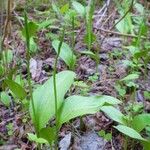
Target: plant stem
pixel 89 21
pixel 55 88
pixel 73 33
pixel 73 40
pixel 125 143
pixel 28 70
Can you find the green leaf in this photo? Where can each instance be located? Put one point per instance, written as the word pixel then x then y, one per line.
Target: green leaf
pixel 108 136
pixel 122 26
pixel 7 56
pixel 46 23
pixel 130 77
pixel 80 84
pixel 75 106
pixel 66 53
pixel 92 38
pixel 56 9
pixel 48 134
pixel 114 114
pixel 141 54
pixel 147 95
pixel 101 133
pixel 139 8
pixel 17 89
pixel 90 53
pixel 32 27
pixel 5 98
pixel 44 101
pixel 33 45
pixel 64 8
pixel 141 121
pixel 146 145
pixel 129 132
pixel 79 8
pixel 34 138
pixel 1 70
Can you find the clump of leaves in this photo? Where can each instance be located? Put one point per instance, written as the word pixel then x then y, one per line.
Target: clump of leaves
pixel 106 136
pixel 44 104
pixel 65 53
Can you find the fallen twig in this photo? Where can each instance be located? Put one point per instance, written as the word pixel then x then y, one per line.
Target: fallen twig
pixel 121 34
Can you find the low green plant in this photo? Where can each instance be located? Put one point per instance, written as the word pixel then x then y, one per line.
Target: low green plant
pixel 10 129
pixel 120 89
pixel 127 85
pixel 94 77
pixel 45 104
pixel 125 23
pixel 33 27
pixel 5 99
pixel 106 136
pixel 81 87
pixel 147 95
pixel 90 37
pixel 130 125
pixel 65 53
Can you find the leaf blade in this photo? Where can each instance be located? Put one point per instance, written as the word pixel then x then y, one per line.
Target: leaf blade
pixel 17 89
pixel 44 100
pixel 66 53
pixel 75 106
pixel 129 132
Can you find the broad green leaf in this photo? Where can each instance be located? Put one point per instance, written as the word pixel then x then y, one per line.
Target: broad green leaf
pixel 19 80
pixel 146 145
pixel 140 122
pixel 92 38
pixel 129 132
pixel 1 70
pixel 46 23
pixel 90 53
pixel 32 27
pixel 66 53
pixel 139 8
pixel 133 49
pixel 79 8
pixel 125 25
pixel 5 98
pixel 130 77
pixel 122 26
pixel 75 106
pixel 147 95
pixel 33 45
pixel 56 9
pixel 17 89
pixel 80 84
pixel 8 56
pixel 12 72
pixel 48 134
pixel 141 54
pixel 64 8
pixel 114 114
pixel 34 138
pixel 101 133
pixel 108 137
pixel 44 101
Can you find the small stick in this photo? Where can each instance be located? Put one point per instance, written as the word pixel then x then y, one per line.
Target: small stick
pixel 121 34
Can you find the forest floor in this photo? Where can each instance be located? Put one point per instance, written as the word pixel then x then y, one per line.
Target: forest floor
pixel 15 121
